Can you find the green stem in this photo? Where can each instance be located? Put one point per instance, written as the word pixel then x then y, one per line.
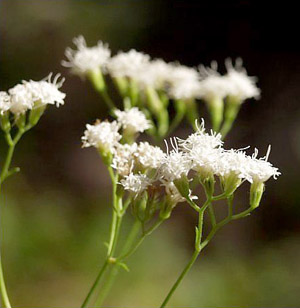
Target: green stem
pixel 191 261
pixel 114 232
pixel 115 267
pixel 3 290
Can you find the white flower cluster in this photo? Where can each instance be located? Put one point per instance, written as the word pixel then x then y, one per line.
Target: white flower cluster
pixel 29 94
pixel 141 165
pixel 178 81
pixel 105 135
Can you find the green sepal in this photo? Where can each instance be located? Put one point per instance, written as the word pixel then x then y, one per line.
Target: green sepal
pixel 36 113
pixel 4 122
pixel 183 186
pixel 97 79
pixel 256 192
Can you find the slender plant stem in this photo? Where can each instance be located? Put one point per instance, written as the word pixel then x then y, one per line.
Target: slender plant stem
pixel 191 261
pixel 114 231
pixel 4 295
pixel 114 267
pixel 4 174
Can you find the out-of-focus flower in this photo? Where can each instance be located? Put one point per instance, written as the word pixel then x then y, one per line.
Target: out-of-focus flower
pixel 128 64
pixel 4 102
pixel 240 85
pixel 86 59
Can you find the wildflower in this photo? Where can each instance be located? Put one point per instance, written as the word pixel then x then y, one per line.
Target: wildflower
pixel 213 86
pixel 86 59
pixel 201 139
pixel 102 135
pixel 241 86
pixel 183 82
pixel 155 75
pixel 123 159
pixel 259 169
pixel 4 102
pixel 46 91
pixel 132 120
pixel 174 165
pixel 21 99
pixel 148 156
pixel 135 183
pixel 128 64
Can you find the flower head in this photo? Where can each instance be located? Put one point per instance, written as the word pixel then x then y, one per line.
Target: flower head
pixel 128 64
pixel 174 165
pixel 123 160
pixel 183 82
pixel 212 84
pixel 259 169
pixel 132 120
pixel 102 135
pixel 135 183
pixel 149 156
pixel 47 91
pixel 86 59
pixel 4 102
pixel 241 86
pixel 21 99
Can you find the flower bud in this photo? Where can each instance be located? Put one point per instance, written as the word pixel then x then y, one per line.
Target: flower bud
pixel 230 183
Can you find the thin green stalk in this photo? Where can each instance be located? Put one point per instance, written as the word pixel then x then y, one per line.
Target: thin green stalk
pixel 114 232
pixel 114 270
pixel 140 241
pixel 191 261
pixel 3 290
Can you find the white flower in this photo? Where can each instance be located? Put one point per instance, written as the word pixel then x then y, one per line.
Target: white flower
pixel 241 86
pixel 149 156
pixel 201 139
pixel 175 195
pixel 21 99
pixel 86 59
pixel 212 84
pixel 260 170
pixel 132 120
pixel 123 160
pixel 174 165
pixel 102 135
pixel 128 64
pixel 4 102
pixel 183 82
pixel 47 91
pixel 233 163
pixel 155 75
pixel 135 183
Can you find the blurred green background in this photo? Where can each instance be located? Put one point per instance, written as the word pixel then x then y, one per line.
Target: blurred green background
pixel 56 212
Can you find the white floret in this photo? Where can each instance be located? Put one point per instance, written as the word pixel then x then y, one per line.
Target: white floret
pixel 133 120
pixel 135 183
pixel 102 135
pixel 183 82
pixel 4 102
pixel 174 165
pixel 259 169
pixel 149 156
pixel 86 59
pixel 123 160
pixel 46 91
pixel 241 86
pixel 128 64
pixel 21 98
pixel 212 84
